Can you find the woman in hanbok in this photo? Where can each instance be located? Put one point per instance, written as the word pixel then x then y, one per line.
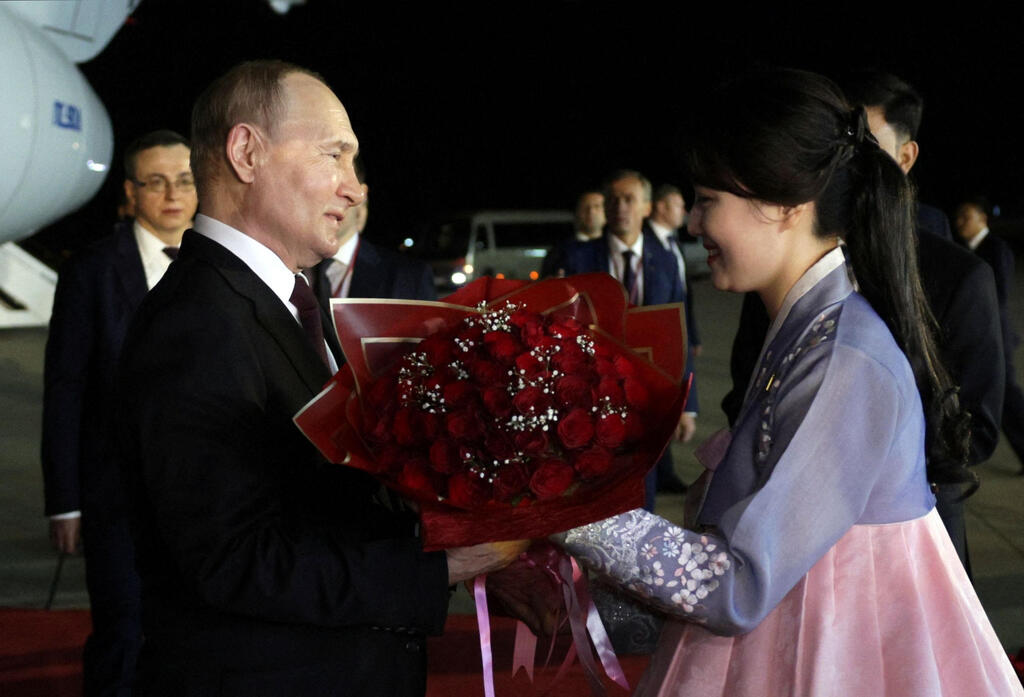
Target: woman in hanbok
pixel 817 564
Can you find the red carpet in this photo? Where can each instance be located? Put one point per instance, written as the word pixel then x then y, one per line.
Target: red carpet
pixel 41 656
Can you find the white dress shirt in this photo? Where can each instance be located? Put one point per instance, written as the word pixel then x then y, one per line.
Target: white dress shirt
pixel 151 251
pixel 263 262
pixel 616 267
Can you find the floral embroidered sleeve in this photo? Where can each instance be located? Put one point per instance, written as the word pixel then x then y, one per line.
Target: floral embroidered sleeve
pixel 675 569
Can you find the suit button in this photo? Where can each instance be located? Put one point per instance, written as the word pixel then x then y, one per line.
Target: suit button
pixel 413 646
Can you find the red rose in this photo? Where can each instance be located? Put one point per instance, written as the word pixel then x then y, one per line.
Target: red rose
pixel 512 481
pixel 529 366
pixel 464 424
pixel 634 427
pixel 445 456
pixel 469 332
pixel 404 427
pixel 416 476
pixel 500 446
pixel 502 345
pixel 571 359
pixel 610 388
pixel 497 401
pixel 381 393
pixel 532 400
pixel 605 368
pixel 610 431
pixel 438 349
pixel 531 443
pixel 427 424
pixel 487 372
pixel 593 462
pixel 623 366
pixel 636 393
pixel 378 430
pixel 551 479
pixel 576 429
pixel 565 327
pixel 533 333
pixel 390 459
pixel 468 490
pixel 573 391
pixel 458 393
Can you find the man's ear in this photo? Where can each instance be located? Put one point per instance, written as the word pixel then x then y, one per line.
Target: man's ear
pixel 244 143
pixel 129 192
pixel 907 155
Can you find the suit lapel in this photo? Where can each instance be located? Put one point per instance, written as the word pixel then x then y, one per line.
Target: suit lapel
pixel 367 279
pixel 655 272
pixel 130 274
pixel 268 309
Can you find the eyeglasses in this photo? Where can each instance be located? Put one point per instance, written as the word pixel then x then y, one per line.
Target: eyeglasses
pixel 158 183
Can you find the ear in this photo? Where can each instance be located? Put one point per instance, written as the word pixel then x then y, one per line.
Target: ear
pixel 242 148
pixel 129 191
pixel 645 209
pixel 907 155
pixel 792 217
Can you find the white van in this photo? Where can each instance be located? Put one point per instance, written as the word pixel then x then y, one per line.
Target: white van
pixel 504 244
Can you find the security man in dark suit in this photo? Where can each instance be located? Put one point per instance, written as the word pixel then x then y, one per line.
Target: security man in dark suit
pixel 97 293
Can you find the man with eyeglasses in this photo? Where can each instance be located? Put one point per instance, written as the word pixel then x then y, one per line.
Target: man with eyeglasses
pixel 97 294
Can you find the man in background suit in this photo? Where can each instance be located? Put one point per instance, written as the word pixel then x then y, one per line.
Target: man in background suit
pixel 972 228
pixel 361 269
pixel 961 295
pixel 588 221
pixel 668 213
pixel 649 274
pixel 265 570
pixel 97 293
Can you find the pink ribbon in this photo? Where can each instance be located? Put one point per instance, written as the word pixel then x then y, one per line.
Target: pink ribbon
pixel 483 620
pixel 583 619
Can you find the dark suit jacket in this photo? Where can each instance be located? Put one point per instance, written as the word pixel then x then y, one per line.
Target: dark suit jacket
pixel 933 221
pixel 692 335
pixel 265 570
pixel 998 255
pixel 97 293
pixel 661 278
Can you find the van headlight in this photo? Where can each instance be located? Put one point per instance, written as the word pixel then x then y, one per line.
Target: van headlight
pixel 458 278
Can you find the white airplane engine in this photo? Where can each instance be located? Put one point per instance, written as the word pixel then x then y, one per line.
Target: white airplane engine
pixel 55 136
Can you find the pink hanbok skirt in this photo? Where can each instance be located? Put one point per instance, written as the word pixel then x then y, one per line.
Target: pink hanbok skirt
pixel 887 612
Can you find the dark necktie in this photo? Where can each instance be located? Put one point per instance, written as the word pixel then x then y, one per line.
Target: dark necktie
pixel 628 277
pixel 172 252
pixel 309 315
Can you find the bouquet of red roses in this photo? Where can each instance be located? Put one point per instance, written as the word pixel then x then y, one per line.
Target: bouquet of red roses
pixel 509 410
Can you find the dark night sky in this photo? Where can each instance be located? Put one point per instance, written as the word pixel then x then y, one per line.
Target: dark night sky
pixel 515 105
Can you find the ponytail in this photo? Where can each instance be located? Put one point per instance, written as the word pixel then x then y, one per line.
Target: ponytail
pixel 875 200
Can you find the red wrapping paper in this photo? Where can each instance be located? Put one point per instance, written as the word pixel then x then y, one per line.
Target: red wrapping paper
pixel 376 333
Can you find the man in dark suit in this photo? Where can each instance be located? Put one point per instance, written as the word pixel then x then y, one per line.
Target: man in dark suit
pixel 97 293
pixel 361 269
pixel 649 274
pixel 960 292
pixel 668 212
pixel 972 228
pixel 265 570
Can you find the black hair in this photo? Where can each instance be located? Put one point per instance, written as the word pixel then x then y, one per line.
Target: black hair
pixel 163 138
pixel 789 137
pixel 900 103
pixel 663 191
pixel 979 201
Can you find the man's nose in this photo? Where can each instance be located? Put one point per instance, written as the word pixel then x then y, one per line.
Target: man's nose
pixel 350 188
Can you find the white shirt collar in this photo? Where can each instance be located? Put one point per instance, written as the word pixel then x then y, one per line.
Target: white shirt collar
pixel 151 253
pixel 977 239
pixel 664 234
pixel 347 250
pixel 617 246
pixel 263 261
